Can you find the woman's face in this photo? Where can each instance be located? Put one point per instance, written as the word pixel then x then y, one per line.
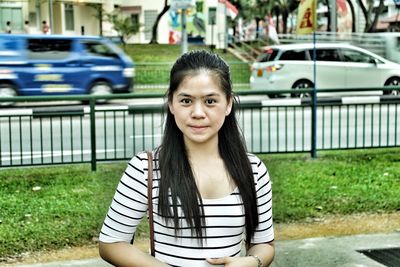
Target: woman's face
pixel 199 106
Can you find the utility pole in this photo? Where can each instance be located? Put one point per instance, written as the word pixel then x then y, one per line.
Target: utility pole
pixel 184 40
pixel 333 15
pixel 51 16
pixel 183 6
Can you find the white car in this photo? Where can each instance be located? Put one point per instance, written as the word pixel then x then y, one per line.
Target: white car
pixel 338 66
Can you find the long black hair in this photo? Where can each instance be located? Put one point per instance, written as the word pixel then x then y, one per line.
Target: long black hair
pixel 177 183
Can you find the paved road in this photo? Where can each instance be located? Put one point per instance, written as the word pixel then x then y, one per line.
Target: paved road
pixel 311 252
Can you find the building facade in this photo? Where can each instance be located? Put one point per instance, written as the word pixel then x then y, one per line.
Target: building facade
pixel 82 17
pixel 206 20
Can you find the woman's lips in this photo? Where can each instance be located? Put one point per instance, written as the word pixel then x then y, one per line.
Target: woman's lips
pixel 198 128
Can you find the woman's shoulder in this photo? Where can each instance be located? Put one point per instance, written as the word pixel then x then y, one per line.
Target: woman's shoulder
pixel 140 159
pixel 258 166
pixel 254 159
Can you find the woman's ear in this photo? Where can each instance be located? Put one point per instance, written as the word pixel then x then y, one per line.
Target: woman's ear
pixel 170 107
pixel 229 106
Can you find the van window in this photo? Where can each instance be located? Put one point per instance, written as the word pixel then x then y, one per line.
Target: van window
pixel 98 49
pixel 48 49
pixel 356 56
pixel 326 54
pixel 293 55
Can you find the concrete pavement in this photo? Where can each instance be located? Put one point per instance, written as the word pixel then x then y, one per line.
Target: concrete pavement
pixel 311 252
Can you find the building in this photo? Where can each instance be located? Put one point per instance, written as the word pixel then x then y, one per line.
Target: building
pixel 82 17
pixel 206 20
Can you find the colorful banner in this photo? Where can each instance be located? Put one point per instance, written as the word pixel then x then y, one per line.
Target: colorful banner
pixel 195 25
pixel 307 17
pixel 231 10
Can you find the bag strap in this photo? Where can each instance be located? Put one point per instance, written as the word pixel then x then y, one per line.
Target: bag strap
pixel 150 199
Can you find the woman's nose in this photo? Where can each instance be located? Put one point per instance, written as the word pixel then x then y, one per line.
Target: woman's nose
pixel 198 110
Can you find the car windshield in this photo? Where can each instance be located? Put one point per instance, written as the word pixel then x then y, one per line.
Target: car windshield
pixel 268 55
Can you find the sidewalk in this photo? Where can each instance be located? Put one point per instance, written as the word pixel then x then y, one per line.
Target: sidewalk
pixel 311 252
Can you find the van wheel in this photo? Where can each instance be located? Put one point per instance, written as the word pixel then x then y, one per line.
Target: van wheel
pixel 101 88
pixel 7 90
pixel 302 84
pixel 395 81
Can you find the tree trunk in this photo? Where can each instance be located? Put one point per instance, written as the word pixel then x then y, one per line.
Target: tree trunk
pixel 100 14
pixel 154 31
pixel 364 11
pixel 353 16
pixel 257 27
pixel 328 15
pixel 376 18
pixel 285 16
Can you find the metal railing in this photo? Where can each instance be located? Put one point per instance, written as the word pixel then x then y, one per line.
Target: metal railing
pixel 88 134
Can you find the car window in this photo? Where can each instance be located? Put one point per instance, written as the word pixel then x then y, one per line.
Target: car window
pixel 48 49
pixel 350 55
pixel 268 55
pixel 326 54
pixel 293 55
pixel 98 49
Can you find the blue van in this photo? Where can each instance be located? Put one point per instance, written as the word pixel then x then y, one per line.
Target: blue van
pixel 54 65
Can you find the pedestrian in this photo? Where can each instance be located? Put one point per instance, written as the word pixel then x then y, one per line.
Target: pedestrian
pixel 45 27
pixel 8 27
pixel 27 28
pixel 209 194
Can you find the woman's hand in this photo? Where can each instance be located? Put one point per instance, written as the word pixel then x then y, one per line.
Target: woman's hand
pixel 233 261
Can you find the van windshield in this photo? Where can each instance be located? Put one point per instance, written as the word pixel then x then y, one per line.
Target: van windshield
pixel 95 48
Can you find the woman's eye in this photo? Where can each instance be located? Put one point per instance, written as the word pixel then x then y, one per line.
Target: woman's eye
pixel 186 101
pixel 211 101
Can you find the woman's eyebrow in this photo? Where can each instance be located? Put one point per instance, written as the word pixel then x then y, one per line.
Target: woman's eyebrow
pixel 184 95
pixel 205 96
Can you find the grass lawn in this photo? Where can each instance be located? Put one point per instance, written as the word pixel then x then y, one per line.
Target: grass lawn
pixel 153 64
pixel 164 53
pixel 58 206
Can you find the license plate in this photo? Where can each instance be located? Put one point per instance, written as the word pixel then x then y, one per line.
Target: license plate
pixel 259 72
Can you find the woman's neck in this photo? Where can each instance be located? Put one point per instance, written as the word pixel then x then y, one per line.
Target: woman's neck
pixel 202 151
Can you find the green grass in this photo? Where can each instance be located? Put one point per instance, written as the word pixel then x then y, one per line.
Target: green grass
pixel 337 182
pixel 154 62
pixel 156 53
pixel 70 206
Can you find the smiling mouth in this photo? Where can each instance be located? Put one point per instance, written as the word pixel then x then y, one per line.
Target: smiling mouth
pixel 198 128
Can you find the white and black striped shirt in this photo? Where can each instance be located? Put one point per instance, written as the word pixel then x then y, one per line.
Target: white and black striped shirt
pixel 224 218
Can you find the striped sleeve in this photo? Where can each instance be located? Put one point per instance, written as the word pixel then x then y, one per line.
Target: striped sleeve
pixel 129 204
pixel 265 231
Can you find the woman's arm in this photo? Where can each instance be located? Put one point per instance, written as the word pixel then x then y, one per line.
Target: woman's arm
pixel 123 254
pixel 265 252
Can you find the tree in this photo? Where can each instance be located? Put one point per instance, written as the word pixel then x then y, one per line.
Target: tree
pixel 99 15
pixel 154 30
pixel 370 23
pixel 123 25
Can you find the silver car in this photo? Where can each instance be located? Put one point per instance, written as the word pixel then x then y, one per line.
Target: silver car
pixel 338 66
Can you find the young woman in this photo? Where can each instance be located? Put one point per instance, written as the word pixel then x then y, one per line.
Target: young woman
pixel 208 193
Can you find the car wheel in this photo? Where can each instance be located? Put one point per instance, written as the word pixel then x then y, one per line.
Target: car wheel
pixel 272 95
pixel 7 90
pixel 302 84
pixel 395 81
pixel 101 88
